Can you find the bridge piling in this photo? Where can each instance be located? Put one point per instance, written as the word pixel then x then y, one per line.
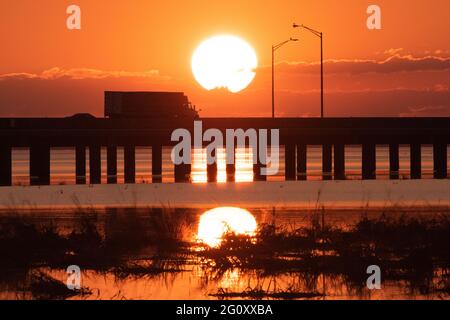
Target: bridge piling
pixel 39 165
pixel 301 161
pixel 95 172
pixel 80 164
pixel 290 162
pixel 394 161
pixel 5 165
pixel 111 164
pixel 231 167
pixel 156 163
pixel 129 157
pixel 182 172
pixel 440 160
pixel 327 155
pixel 211 169
pixel 339 161
pixel 369 161
pixel 416 161
pixel 257 176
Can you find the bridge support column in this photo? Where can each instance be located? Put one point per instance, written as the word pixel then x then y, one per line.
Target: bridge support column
pixel 327 155
pixel 182 172
pixel 290 162
pixel 5 166
pixel 39 165
pixel 129 157
pixel 231 167
pixel 80 165
pixel 301 161
pixel 394 161
pixel 211 169
pixel 95 172
pixel 257 176
pixel 440 160
pixel 369 161
pixel 111 164
pixel 416 161
pixel 156 163
pixel 339 161
pixel 211 172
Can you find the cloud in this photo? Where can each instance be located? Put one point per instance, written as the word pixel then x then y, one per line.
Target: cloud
pixel 393 64
pixel 422 111
pixel 372 103
pixel 60 92
pixel 393 51
pixel 81 73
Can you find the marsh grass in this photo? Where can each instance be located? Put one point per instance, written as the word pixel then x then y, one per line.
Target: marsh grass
pixel 44 287
pixel 406 248
pixel 258 293
pixel 25 245
pixel 149 268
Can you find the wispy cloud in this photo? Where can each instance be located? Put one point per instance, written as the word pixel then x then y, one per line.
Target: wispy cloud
pixel 393 51
pixel 81 73
pixel 394 63
pixel 421 111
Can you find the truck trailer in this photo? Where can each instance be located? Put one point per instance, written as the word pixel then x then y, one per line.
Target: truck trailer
pixel 155 105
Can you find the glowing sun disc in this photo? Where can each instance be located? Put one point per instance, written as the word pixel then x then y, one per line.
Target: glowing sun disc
pixel 224 62
pixel 217 222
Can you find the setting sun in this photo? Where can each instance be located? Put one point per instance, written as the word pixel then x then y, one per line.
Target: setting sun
pixel 224 62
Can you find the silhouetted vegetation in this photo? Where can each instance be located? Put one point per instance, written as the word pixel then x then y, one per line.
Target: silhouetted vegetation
pixel 125 247
pixel 44 287
pixel 410 249
pixel 264 294
pixel 406 249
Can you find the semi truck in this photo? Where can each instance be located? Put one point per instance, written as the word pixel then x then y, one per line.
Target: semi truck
pixel 147 104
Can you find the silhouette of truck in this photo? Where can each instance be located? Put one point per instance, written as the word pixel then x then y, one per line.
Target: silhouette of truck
pixel 153 105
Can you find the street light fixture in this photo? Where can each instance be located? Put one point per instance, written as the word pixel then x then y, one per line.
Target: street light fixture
pixel 275 48
pixel 320 35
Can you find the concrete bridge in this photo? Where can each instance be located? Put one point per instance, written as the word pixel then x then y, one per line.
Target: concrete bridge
pixel 333 134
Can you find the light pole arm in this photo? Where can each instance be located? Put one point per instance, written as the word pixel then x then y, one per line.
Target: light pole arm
pixel 315 32
pixel 278 46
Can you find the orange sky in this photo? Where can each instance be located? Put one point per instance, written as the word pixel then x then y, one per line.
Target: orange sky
pixel 404 69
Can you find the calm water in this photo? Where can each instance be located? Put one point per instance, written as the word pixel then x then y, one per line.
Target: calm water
pixel 195 279
pixel 63 162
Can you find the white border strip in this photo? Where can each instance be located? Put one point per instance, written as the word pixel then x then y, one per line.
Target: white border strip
pixel 310 194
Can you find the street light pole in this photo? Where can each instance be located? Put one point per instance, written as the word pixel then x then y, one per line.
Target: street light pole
pixel 321 75
pixel 320 35
pixel 275 48
pixel 273 82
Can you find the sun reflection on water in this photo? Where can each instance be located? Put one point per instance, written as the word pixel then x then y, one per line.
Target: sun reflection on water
pixel 244 165
pixel 215 223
